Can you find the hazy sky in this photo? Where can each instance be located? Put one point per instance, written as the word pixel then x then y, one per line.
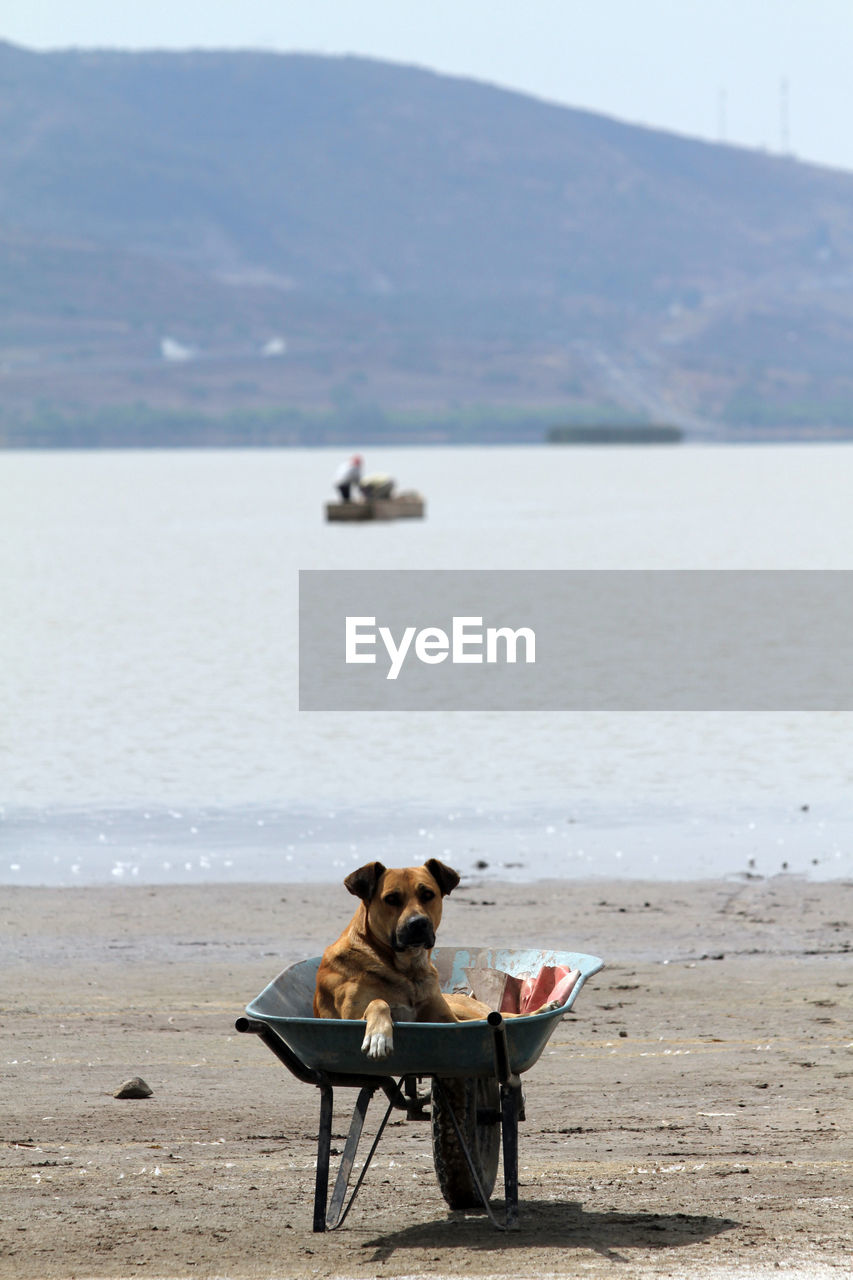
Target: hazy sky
pixel 711 68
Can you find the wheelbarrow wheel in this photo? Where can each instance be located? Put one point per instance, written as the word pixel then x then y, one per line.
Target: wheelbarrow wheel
pixel 476 1105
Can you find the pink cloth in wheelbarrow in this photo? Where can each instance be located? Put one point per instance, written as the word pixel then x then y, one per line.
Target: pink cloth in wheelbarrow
pixel 550 985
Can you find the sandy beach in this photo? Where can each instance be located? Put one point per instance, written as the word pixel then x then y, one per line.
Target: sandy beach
pixel 692 1118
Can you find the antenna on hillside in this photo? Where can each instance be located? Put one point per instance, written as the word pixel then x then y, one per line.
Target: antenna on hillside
pixel 722 104
pixel 784 117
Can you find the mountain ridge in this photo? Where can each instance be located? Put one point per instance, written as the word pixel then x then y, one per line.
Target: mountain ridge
pixel 420 240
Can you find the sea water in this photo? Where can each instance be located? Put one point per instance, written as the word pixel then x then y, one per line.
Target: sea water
pixel 149 726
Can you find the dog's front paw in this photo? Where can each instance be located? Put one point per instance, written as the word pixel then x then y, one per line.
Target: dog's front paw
pixel 378 1044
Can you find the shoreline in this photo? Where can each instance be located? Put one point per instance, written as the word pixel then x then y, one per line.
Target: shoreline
pixel 689 1119
pixel 197 848
pixel 524 843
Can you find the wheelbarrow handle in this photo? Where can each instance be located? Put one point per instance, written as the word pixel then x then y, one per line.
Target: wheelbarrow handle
pixel 277 1046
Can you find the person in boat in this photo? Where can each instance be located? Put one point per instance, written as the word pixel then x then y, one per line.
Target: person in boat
pixel 377 485
pixel 348 475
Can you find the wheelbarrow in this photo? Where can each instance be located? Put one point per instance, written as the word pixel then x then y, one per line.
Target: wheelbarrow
pixel 474 1069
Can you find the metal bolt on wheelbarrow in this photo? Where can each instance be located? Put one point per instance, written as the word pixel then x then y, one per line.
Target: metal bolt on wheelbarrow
pixel 474 1069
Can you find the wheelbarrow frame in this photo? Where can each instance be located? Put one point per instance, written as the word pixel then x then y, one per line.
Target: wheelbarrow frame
pixel 491 1056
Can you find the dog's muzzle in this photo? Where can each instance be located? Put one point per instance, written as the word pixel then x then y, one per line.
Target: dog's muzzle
pixel 416 931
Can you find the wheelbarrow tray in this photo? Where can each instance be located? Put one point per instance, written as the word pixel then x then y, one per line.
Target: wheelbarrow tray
pixel 333 1045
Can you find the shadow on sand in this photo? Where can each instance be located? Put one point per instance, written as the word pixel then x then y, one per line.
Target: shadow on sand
pixel 551 1225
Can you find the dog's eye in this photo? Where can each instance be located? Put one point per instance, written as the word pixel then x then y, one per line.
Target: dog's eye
pixel 393 899
pixel 426 895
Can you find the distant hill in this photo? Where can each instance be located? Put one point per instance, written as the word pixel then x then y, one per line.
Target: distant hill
pixel 338 247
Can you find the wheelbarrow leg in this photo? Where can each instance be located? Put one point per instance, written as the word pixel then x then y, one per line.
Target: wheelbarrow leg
pixel 334 1216
pixel 510 1099
pixel 324 1151
pixel 511 1110
pixel 331 1219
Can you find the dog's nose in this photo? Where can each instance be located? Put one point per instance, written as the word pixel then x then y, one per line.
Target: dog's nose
pixel 416 931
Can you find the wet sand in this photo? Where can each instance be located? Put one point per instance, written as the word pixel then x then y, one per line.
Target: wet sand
pixel 692 1118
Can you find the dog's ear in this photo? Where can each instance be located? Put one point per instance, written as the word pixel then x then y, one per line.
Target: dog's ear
pixel 362 883
pixel 445 877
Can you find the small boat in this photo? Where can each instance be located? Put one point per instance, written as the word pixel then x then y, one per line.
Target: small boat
pixel 406 505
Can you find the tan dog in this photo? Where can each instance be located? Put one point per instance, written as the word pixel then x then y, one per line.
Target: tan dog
pixel 380 969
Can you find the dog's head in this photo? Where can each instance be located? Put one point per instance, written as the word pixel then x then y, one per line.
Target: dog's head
pixel 403 904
